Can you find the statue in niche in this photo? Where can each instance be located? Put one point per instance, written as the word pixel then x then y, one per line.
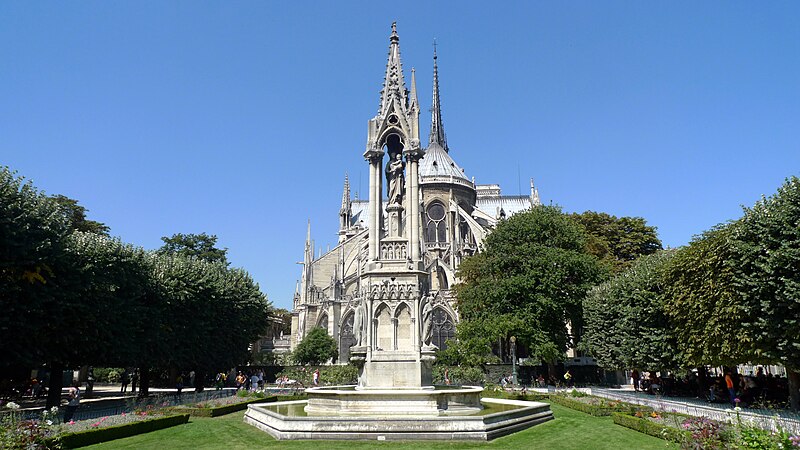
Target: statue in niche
pixel 427 320
pixel 395 179
pixel 360 322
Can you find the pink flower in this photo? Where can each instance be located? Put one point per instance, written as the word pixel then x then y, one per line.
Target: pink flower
pixel 72 422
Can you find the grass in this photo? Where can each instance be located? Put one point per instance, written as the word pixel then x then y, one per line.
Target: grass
pixel 570 430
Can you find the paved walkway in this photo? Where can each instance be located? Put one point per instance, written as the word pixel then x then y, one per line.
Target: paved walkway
pixel 765 418
pixel 107 400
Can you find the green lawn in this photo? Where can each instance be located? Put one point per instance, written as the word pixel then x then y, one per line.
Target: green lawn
pixel 570 430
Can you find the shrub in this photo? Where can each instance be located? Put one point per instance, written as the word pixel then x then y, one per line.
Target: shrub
pixel 89 437
pixel 107 374
pixel 458 375
pixel 646 426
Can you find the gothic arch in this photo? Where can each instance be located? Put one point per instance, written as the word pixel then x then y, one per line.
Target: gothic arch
pixel 346 336
pixel 384 330
pixel 444 327
pixel 403 329
pixel 322 322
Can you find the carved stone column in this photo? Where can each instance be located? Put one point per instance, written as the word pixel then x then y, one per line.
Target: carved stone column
pixel 375 157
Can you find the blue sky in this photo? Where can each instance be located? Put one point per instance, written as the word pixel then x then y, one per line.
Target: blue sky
pixel 241 118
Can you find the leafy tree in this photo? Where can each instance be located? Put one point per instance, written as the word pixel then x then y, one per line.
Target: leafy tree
pixel 626 323
pixel 703 304
pixel 618 241
pixel 76 215
pixel 32 241
pixel 285 317
pixel 316 348
pixel 766 246
pixel 528 282
pixel 202 246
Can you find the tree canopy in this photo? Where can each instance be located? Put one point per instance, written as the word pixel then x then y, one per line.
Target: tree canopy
pixel 76 215
pixel 618 241
pixel 528 282
pixel 202 246
pixel 316 348
pixel 72 298
pixel 626 323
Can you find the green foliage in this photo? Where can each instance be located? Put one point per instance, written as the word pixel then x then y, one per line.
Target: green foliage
pixel 76 216
pixel 89 437
pixel 595 406
pixel 32 240
pixel 766 247
pixel 646 426
pixel 626 322
pixel 458 375
pixel 107 374
pixel 703 305
pixel 528 283
pixel 316 348
pixel 201 246
pixel 618 241
pixel 216 411
pixel 338 374
pixel 207 303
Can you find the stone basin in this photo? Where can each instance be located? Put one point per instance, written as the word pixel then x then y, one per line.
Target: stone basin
pixel 425 401
pixel 289 420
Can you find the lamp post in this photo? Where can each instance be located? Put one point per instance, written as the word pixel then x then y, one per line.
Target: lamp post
pixel 513 360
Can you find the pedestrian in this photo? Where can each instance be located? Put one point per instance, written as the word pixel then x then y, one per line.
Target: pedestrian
pixel 316 377
pixel 179 384
pixel 568 378
pixel 635 377
pixel 124 379
pixel 731 389
pixel 446 377
pixel 134 380
pixel 73 401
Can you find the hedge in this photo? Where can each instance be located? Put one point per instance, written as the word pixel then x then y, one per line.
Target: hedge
pixel 646 426
pixel 89 437
pixel 595 410
pixel 221 410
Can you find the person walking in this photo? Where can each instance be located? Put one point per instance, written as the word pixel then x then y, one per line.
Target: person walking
pixel 731 389
pixel 124 378
pixel 316 377
pixel 635 377
pixel 134 380
pixel 74 400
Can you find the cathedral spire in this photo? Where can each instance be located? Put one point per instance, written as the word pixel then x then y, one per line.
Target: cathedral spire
pixel 394 86
pixel 345 196
pixel 413 100
pixel 345 213
pixel 437 128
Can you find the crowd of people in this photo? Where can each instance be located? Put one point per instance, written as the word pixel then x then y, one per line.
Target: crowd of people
pixel 759 389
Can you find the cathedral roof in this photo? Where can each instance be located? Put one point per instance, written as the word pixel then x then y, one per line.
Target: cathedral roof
pixel 438 166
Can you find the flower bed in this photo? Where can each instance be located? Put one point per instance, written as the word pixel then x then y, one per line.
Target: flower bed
pixel 644 425
pixel 705 433
pixel 220 406
pixel 595 406
pixel 121 426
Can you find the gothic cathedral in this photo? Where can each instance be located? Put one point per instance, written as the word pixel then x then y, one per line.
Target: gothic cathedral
pixel 385 289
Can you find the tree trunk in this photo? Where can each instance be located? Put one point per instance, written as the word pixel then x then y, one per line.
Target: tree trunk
pixel 55 385
pixel 794 389
pixel 144 381
pixel 199 378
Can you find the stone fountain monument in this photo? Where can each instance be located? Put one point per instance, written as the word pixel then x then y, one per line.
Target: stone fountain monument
pixel 395 397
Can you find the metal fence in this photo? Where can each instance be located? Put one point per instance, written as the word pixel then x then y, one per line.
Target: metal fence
pixel 94 410
pixel 763 418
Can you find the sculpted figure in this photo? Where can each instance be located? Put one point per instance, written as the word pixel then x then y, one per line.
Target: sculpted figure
pixel 427 320
pixel 359 322
pixel 395 179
